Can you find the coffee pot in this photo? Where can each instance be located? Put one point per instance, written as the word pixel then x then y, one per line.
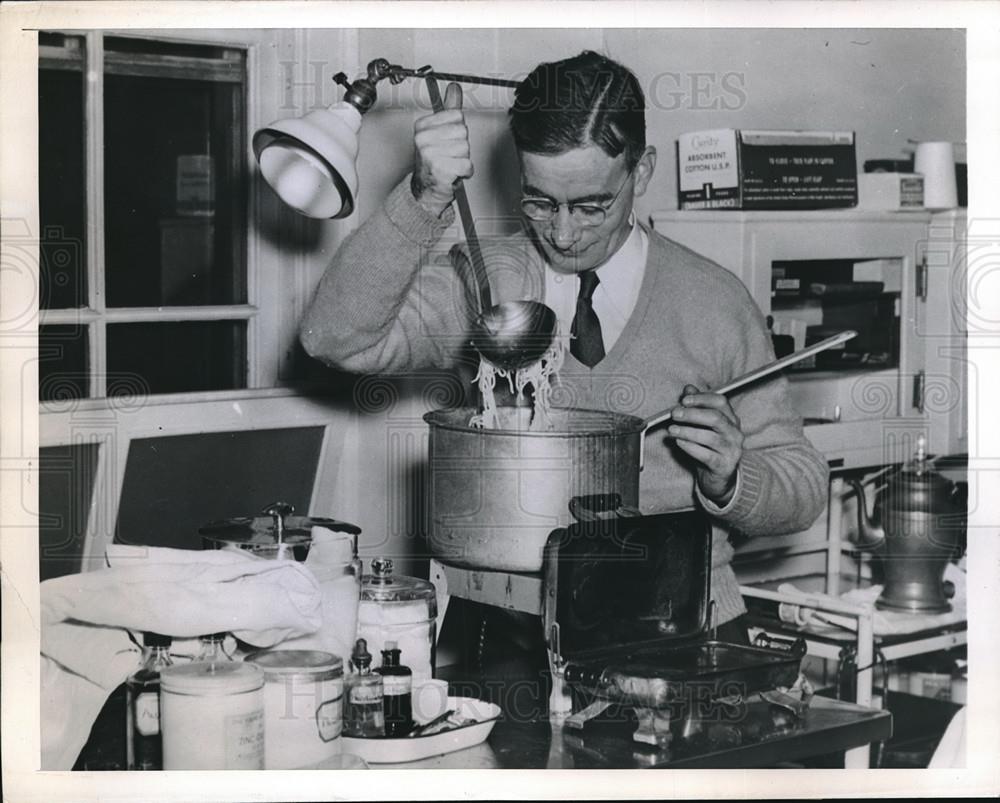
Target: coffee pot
pixel 918 525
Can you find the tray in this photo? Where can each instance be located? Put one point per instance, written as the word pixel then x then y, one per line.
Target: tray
pixel 414 748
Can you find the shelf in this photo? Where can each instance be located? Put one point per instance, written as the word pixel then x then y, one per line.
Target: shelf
pixel 863 444
pixel 792 215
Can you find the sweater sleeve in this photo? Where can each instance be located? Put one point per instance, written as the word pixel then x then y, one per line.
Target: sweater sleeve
pixel 782 478
pixel 391 299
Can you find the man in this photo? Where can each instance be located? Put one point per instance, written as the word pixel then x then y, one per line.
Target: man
pixel 655 325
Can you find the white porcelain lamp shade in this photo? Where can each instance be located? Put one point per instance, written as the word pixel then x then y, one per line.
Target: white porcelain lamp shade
pixel 309 161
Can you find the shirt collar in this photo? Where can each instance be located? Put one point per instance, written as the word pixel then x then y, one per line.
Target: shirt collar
pixel 624 265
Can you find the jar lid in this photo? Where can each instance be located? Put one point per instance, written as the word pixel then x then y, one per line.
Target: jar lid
pixel 276 524
pixel 321 665
pixel 383 586
pixel 212 678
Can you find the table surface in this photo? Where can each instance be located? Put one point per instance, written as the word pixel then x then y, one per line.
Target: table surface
pixel 761 736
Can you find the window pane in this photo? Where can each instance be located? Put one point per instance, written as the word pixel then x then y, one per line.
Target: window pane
pixel 175 485
pixel 61 194
pixel 65 484
pixel 62 363
pixel 174 176
pixel 178 357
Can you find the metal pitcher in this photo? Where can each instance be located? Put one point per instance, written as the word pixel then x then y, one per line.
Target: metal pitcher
pixel 918 525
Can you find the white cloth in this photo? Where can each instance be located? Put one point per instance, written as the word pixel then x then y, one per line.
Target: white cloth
pixel 616 294
pixel 950 752
pixel 85 648
pixel 808 615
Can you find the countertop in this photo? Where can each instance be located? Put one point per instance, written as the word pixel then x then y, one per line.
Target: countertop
pixel 758 735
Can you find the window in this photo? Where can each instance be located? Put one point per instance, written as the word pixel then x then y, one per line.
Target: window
pixel 172 486
pixel 66 476
pixel 143 206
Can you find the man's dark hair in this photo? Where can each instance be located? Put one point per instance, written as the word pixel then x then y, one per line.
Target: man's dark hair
pixel 584 100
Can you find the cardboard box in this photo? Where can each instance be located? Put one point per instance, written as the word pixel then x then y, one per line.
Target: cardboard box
pixel 727 168
pixel 890 191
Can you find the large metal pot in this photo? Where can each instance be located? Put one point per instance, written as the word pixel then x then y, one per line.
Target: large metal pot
pixel 497 494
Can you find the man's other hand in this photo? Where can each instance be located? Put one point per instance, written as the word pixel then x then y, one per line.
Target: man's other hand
pixel 706 427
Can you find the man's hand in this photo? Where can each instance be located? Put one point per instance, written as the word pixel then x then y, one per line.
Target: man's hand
pixel 442 153
pixel 706 427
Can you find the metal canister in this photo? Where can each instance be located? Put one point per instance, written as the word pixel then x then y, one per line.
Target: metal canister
pixel 212 716
pixel 303 706
pixel 276 533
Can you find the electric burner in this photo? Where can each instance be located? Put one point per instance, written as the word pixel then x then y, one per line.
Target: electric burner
pixel 628 623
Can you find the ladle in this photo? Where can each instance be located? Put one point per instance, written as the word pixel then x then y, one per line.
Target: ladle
pixel 511 334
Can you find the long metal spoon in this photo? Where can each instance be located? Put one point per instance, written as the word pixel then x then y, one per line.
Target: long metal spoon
pixel 511 334
pixel 766 370
pixel 751 376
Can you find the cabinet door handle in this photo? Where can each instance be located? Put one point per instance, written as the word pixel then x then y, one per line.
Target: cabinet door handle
pixel 918 390
pixel 921 278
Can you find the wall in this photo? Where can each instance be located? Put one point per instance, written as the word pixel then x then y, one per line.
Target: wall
pixel 889 86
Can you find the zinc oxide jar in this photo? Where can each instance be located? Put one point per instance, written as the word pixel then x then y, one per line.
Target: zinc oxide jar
pixel 212 716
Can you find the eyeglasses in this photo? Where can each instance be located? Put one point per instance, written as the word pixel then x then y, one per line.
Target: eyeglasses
pixel 583 214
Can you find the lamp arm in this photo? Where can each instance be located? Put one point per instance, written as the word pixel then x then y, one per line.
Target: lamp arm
pixel 362 93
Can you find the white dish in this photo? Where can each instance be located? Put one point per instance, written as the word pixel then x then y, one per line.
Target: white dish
pixel 414 748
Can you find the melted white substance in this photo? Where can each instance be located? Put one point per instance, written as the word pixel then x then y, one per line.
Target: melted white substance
pixel 539 375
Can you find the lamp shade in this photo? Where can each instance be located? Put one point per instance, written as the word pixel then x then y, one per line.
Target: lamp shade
pixel 309 161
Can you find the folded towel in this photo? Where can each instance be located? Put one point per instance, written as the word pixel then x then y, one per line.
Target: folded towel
pixel 804 613
pixel 85 618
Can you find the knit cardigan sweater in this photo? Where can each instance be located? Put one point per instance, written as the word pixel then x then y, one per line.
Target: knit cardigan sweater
pixel 398 294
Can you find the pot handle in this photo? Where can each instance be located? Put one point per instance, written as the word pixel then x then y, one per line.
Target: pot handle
pixel 590 506
pixel 594 507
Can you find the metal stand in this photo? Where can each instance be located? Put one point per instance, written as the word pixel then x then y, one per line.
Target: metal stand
pixel 861 645
pixel 514 591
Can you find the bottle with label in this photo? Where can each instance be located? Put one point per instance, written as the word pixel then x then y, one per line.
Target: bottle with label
pixel 143 741
pixel 210 648
pixel 363 714
pixel 397 690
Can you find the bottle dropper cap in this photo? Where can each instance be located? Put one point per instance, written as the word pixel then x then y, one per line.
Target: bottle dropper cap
pixel 360 657
pixel 390 654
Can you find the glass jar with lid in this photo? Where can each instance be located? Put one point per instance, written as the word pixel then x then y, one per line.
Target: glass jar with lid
pixel 400 609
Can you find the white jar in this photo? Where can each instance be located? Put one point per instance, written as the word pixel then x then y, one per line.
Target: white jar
pixel 303 707
pixel 333 562
pixel 212 716
pixel 400 609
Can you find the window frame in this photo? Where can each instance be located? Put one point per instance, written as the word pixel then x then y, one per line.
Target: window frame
pixel 96 316
pixel 112 427
pixel 281 273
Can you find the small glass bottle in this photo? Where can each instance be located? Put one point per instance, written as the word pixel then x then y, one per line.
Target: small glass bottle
pixel 397 691
pixel 143 741
pixel 210 648
pixel 363 714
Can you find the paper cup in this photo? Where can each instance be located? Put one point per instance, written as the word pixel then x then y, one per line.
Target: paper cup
pixel 936 161
pixel 430 700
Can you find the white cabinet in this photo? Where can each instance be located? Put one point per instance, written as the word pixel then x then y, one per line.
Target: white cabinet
pixel 943 334
pixel 879 273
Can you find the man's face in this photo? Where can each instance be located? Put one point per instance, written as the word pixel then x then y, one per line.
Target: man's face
pixel 583 175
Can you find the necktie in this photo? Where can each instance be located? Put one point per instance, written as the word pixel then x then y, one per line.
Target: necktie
pixel 587 343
